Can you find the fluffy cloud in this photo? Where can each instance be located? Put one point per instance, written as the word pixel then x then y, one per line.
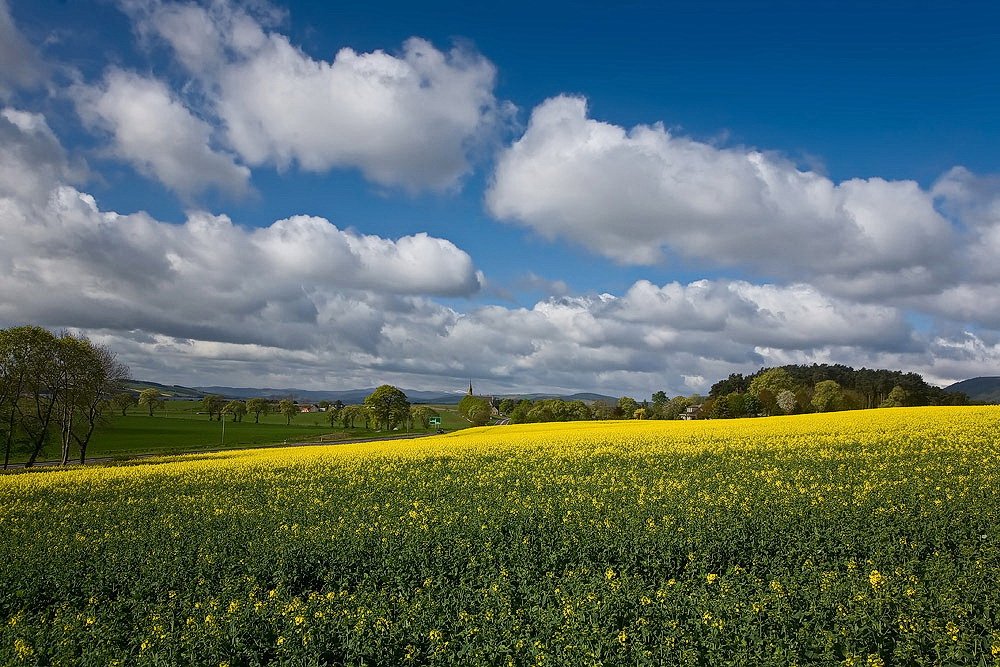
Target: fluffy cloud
pixel 407 120
pixel 633 195
pixel 618 344
pixel 154 131
pixel 68 263
pixel 790 317
pixel 31 157
pixel 304 303
pixel 20 65
pixel 974 200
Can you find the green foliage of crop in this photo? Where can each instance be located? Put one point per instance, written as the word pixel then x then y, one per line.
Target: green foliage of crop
pixel 834 542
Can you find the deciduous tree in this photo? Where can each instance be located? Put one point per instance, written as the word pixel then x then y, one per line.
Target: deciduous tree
pixel 152 399
pixel 350 414
pixel 421 414
pixel 897 398
pixel 237 409
pixel 827 396
pixel 287 408
pixel 104 380
pixel 388 406
pixel 627 406
pixel 124 400
pixel 786 401
pixel 53 388
pixel 213 405
pixel 258 407
pixel 475 409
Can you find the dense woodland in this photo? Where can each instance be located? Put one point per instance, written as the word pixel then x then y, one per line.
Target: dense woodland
pixel 793 389
pixel 822 388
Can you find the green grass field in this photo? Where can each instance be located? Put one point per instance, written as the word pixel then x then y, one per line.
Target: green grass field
pixel 181 427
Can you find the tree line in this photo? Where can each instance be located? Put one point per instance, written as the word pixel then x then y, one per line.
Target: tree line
pixel 479 410
pixel 791 389
pixel 794 389
pixel 385 409
pixel 54 389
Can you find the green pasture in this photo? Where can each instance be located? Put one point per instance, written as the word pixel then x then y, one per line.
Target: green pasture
pixel 182 426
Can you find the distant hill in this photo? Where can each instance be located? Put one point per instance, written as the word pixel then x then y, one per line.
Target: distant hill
pixel 981 389
pixel 174 391
pixel 354 396
pixel 586 397
pixel 348 396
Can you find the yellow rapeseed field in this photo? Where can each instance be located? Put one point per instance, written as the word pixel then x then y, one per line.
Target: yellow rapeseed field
pixel 854 538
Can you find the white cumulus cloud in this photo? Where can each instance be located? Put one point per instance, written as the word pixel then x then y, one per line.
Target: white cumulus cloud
pixel 413 119
pixel 636 195
pixel 153 130
pixel 20 64
pixel 67 262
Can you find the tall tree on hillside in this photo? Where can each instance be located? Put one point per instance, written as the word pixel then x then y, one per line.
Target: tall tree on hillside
pixel 152 399
pixel 388 406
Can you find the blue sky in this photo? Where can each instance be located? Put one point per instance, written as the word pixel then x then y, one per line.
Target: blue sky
pixel 550 196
